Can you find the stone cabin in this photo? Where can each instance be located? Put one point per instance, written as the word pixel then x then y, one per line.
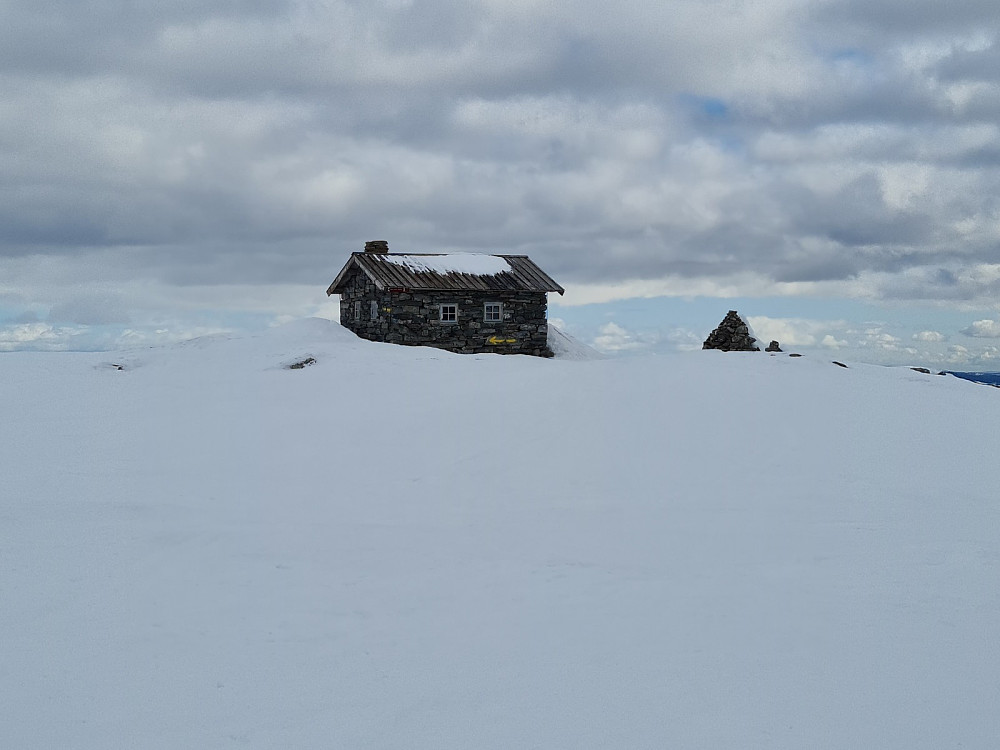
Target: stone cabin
pixel 462 302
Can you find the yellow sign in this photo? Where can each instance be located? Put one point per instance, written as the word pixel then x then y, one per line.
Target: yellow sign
pixel 494 340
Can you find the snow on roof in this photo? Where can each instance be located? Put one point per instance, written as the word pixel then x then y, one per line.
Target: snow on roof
pixel 470 263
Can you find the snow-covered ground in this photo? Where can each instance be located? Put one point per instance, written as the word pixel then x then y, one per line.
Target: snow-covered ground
pixel 405 548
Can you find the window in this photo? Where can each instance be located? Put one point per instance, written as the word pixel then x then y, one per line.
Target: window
pixel 493 312
pixel 357 310
pixel 449 313
pixel 374 310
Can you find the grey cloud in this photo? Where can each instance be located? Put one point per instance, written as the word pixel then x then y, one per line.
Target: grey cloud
pixel 102 309
pixel 32 228
pixel 972 65
pixel 29 316
pixel 856 215
pixel 899 99
pixel 907 17
pixel 78 39
pixel 820 268
pixel 434 24
pixel 954 284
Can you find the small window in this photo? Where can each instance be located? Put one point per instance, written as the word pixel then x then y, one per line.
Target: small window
pixel 357 310
pixel 493 312
pixel 374 310
pixel 449 313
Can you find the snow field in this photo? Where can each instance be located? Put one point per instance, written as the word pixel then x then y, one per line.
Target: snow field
pixel 406 548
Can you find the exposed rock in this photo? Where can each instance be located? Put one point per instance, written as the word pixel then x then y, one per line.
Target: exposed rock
pixel 732 335
pixel 115 366
pixel 924 370
pixel 302 363
pixel 839 364
pixel 773 347
pixel 794 355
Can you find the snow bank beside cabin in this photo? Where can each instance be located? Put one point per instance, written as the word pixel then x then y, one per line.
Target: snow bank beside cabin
pixel 564 346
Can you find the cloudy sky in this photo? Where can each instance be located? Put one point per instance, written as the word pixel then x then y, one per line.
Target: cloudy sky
pixel 831 168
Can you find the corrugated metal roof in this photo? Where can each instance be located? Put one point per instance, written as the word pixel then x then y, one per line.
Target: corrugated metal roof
pixel 524 275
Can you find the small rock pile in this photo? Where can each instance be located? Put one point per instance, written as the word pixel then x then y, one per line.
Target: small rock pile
pixel 732 335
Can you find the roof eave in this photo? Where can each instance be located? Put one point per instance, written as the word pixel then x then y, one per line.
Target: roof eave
pixel 342 276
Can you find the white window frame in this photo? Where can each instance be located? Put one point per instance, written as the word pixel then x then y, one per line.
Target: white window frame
pixel 441 312
pixel 373 309
pixel 486 312
pixel 357 309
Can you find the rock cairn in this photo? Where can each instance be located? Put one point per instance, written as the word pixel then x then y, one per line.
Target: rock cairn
pixel 732 335
pixel 773 347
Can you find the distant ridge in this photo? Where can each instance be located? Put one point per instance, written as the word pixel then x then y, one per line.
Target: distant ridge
pixel 986 378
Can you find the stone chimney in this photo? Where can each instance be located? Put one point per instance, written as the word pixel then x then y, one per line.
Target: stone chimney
pixel 376 246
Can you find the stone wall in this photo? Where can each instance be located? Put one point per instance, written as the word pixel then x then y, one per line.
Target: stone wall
pixel 414 319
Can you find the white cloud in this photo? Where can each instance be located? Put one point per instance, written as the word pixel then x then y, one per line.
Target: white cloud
pixel 684 340
pixel 830 342
pixel 797 331
pixel 171 335
pixel 989 354
pixel 879 339
pixel 787 331
pixel 985 329
pixel 958 354
pixel 720 286
pixel 931 337
pixel 38 337
pixel 613 339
